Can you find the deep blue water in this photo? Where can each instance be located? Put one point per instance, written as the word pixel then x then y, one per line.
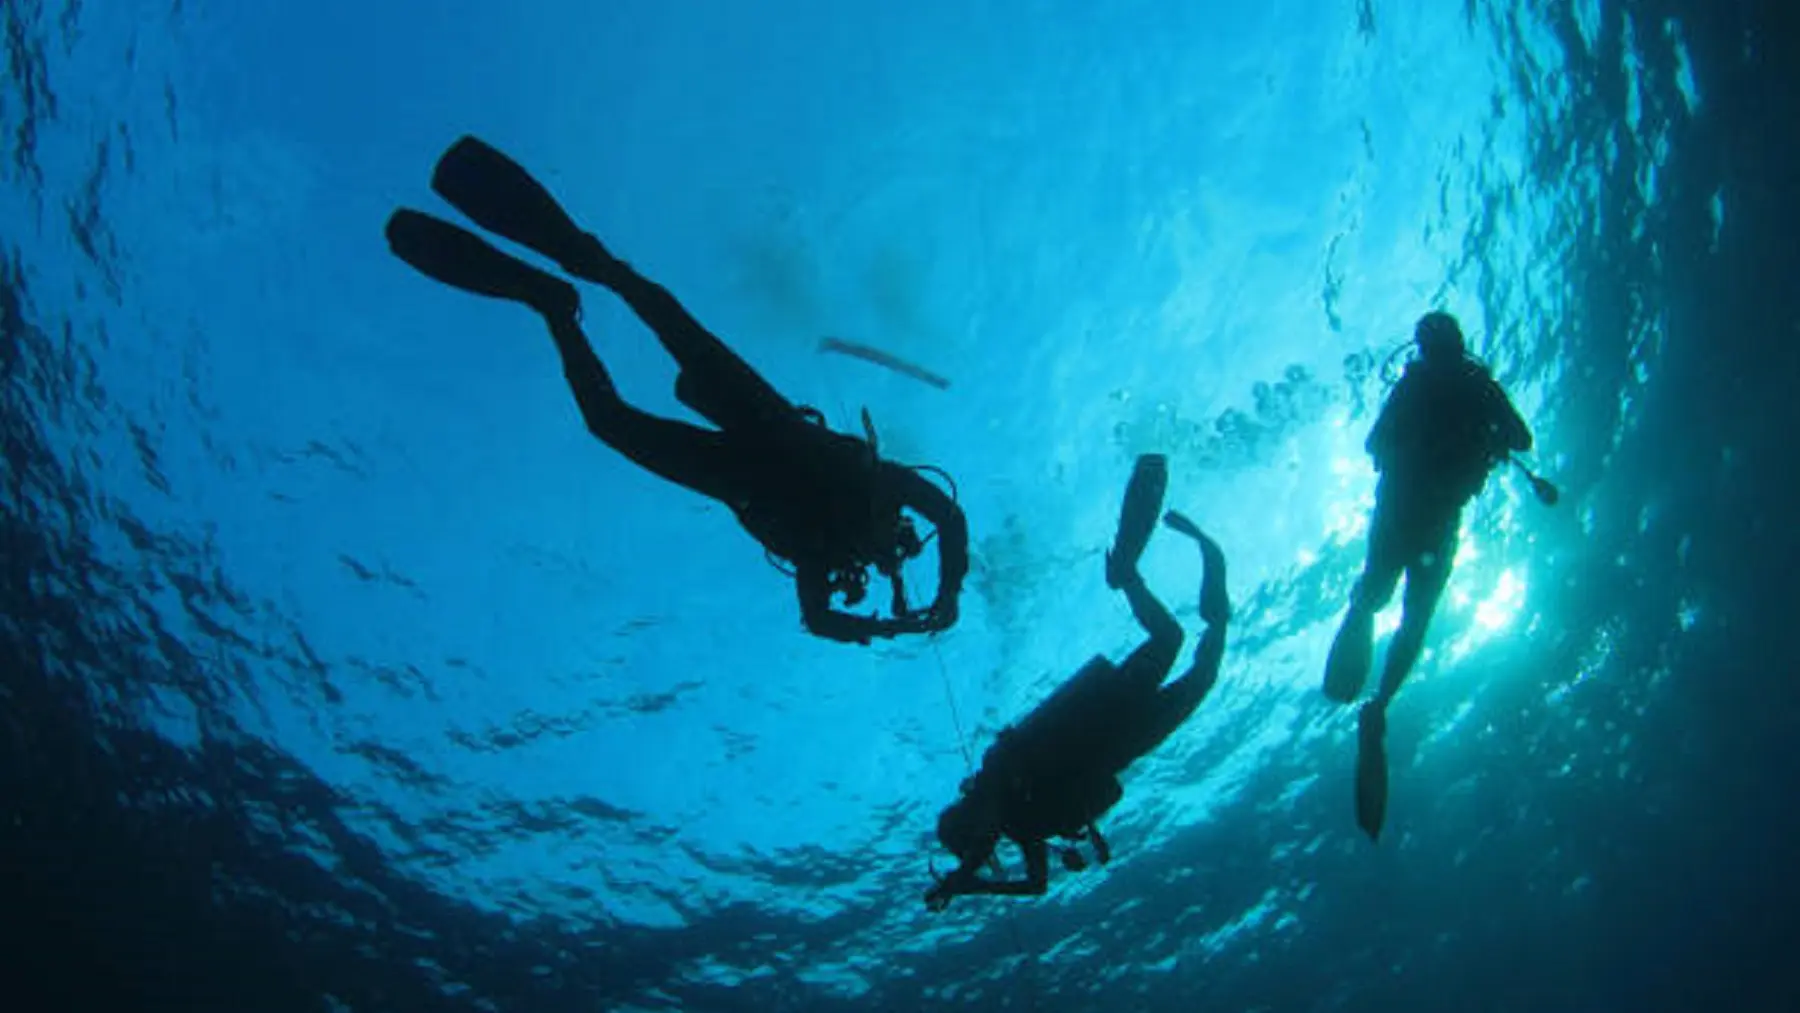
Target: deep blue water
pixel 342 669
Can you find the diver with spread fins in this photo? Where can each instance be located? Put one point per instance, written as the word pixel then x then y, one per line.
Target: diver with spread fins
pixel 825 502
pixel 1055 772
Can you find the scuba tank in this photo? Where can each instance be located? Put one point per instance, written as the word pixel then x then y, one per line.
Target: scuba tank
pixel 851 579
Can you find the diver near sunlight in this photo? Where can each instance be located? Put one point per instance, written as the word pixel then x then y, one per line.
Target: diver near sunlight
pixel 825 502
pixel 1054 773
pixel 1444 427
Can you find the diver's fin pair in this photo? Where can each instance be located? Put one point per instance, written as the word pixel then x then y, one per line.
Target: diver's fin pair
pixel 1352 652
pixel 457 257
pixel 1137 516
pixel 1371 770
pixel 500 196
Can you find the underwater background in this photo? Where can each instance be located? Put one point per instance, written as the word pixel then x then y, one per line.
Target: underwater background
pixel 341 669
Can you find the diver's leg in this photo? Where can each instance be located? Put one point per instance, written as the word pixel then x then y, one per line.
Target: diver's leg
pixel 686 455
pixel 1144 725
pixel 1174 704
pixel 1145 668
pixel 1353 648
pixel 499 194
pixel 1426 579
pixel 1117 726
pixel 696 458
pixel 714 380
pixel 1154 617
pixel 1427 574
pixel 1142 722
pixel 1390 537
pixel 1137 517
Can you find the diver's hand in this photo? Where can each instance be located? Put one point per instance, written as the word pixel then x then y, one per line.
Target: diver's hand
pixel 938 897
pixel 955 883
pixel 935 619
pixel 942 615
pixel 911 622
pixel 1102 850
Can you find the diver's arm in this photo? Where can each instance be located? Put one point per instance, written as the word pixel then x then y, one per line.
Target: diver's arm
pixel 963 879
pixel 1514 434
pixel 1379 444
pixel 1035 883
pixel 912 489
pixel 897 599
pixel 833 624
pixel 1209 653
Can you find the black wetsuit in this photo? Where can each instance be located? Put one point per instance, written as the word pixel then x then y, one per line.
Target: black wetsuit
pixel 819 499
pixel 1442 430
pixel 1440 433
pixel 823 501
pixel 1056 771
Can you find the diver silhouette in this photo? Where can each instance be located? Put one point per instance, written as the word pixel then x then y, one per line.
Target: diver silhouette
pixel 825 502
pixel 1056 772
pixel 1444 427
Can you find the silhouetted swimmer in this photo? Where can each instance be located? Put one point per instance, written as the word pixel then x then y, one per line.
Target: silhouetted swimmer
pixel 1444 427
pixel 1055 773
pixel 825 502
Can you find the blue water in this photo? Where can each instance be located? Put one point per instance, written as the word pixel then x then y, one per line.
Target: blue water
pixel 345 670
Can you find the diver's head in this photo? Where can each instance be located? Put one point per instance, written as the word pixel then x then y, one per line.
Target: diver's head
pixel 1439 337
pixel 969 828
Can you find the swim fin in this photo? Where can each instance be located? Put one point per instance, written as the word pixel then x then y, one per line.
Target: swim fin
pixel 500 196
pixel 1138 515
pixel 1371 770
pixel 1352 654
pixel 459 258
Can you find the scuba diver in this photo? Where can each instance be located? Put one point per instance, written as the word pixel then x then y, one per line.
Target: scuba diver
pixel 1053 774
pixel 825 502
pixel 1444 427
